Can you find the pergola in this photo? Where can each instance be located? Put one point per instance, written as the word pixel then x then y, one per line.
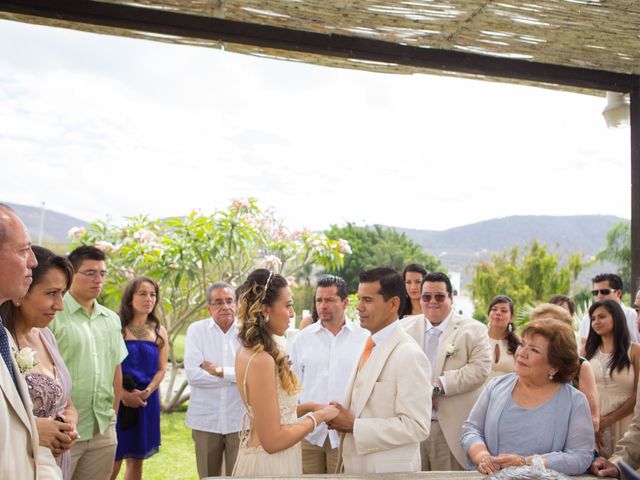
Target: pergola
pixel 589 46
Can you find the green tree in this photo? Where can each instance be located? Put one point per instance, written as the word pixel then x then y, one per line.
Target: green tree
pixel 618 251
pixel 186 254
pixel 528 276
pixel 377 246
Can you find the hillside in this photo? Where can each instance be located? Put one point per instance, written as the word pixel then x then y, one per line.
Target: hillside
pixel 460 246
pixel 55 225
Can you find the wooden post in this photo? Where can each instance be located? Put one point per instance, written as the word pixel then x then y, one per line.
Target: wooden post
pixel 635 191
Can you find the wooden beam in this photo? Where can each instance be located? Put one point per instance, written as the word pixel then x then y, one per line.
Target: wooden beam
pixel 635 191
pixel 193 26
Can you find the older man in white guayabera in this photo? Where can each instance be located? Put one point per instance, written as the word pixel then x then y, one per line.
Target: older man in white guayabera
pixel 215 408
pixel 608 286
pixel 323 356
pixel 21 456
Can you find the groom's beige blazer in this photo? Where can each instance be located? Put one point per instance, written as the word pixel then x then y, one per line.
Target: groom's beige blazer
pixel 464 371
pixel 392 410
pixel 20 455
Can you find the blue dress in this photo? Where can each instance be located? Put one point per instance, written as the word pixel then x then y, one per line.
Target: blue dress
pixel 143 439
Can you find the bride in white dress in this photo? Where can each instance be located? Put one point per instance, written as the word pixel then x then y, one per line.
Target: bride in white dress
pixel 272 430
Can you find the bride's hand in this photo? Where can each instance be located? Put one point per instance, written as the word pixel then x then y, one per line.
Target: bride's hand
pixel 326 413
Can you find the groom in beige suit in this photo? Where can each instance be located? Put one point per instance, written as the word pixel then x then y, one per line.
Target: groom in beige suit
pixel 21 457
pixel 460 356
pixel 384 417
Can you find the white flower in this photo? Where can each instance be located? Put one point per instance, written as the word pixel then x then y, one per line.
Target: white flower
pixel 105 246
pixel 144 236
pixel 344 247
pixel 76 232
pixel 451 350
pixel 272 262
pixel 26 359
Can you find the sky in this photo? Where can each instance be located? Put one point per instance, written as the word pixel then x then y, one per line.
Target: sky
pixel 97 126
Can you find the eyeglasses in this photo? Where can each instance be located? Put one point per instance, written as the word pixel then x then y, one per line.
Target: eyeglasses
pixel 220 303
pixel 603 291
pixel 440 297
pixel 94 273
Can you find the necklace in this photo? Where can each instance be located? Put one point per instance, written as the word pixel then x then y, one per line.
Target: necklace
pixel 139 332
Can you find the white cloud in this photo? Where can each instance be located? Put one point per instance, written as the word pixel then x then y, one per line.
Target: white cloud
pixel 98 125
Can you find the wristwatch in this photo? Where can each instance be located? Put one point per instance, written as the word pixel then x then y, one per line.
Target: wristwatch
pixel 437 390
pixel 219 371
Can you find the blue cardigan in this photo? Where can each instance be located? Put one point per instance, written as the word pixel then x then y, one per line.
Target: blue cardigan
pixel 571 432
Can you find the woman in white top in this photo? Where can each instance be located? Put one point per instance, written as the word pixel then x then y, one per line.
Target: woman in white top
pixel 502 336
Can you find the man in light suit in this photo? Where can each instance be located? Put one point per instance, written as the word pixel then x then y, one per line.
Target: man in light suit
pixel 460 356
pixel 384 417
pixel 21 456
pixel 627 450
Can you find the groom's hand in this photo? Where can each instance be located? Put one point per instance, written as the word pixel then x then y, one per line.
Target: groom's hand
pixel 343 422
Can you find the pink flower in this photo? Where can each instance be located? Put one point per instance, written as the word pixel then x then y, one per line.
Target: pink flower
pixel 144 236
pixel 272 262
pixel 76 232
pixel 240 203
pixel 105 246
pixel 344 247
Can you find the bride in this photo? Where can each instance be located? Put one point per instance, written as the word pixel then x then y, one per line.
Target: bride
pixel 271 430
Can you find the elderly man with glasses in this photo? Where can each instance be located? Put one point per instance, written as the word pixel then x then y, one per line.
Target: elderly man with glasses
pixel 608 286
pixel 460 356
pixel 215 408
pixel 90 341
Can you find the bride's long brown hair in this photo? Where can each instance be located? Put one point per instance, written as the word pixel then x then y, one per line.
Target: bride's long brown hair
pixel 263 287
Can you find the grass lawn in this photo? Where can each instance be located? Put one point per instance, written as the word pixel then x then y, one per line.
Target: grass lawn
pixel 176 459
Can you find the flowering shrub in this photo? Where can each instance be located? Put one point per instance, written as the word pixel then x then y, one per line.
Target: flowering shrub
pixel 186 254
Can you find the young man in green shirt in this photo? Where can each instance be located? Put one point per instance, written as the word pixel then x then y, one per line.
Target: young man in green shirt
pixel 90 342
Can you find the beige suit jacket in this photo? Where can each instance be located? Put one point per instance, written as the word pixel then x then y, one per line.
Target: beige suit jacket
pixel 391 407
pixel 465 372
pixel 20 455
pixel 628 447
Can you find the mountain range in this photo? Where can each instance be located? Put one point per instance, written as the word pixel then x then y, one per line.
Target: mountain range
pixel 457 248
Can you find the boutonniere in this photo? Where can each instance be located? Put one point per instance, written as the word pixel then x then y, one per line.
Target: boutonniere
pixel 26 359
pixel 451 350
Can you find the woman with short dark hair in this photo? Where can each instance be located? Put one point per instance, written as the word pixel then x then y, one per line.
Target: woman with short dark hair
pixel 532 415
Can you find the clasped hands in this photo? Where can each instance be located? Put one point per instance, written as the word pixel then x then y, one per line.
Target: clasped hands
pixel 343 422
pixel 56 434
pixel 489 464
pixel 135 398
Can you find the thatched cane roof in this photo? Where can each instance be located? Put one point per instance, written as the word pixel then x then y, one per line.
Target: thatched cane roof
pixel 597 35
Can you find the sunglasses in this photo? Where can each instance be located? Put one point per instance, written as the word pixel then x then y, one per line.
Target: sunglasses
pixel 603 291
pixel 440 297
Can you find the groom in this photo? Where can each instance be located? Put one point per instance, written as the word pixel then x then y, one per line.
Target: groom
pixel 384 417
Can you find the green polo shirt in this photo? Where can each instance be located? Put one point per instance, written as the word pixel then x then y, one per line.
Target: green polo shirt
pixel 92 347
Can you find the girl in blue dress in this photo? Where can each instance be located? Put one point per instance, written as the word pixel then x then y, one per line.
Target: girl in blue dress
pixel 138 425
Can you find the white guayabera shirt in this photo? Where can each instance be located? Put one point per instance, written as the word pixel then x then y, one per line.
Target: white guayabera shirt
pixel 215 405
pixel 323 363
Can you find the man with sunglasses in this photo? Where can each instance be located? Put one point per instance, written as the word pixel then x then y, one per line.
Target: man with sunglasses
pixel 460 356
pixel 608 286
pixel 90 341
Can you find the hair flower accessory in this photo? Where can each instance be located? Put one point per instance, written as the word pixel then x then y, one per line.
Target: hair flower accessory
pixel 451 350
pixel 26 359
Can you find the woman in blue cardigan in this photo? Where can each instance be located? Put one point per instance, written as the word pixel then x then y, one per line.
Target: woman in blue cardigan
pixel 533 414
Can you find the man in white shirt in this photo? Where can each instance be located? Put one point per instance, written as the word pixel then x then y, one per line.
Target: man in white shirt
pixel 323 356
pixel 215 408
pixel 608 286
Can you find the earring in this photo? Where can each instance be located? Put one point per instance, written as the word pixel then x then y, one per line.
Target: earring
pixel 510 328
pixel 266 319
pixel 551 374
